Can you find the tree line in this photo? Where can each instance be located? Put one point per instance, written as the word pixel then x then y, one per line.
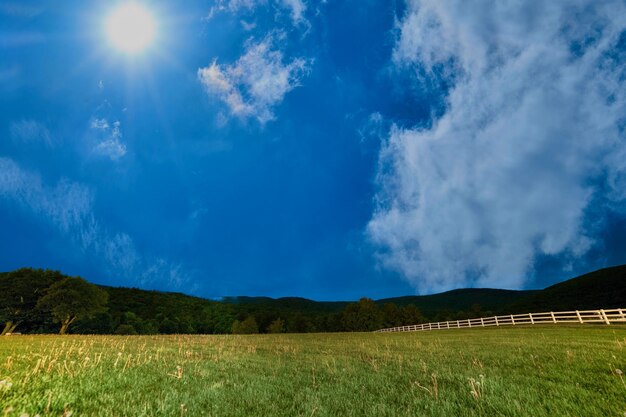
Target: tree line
pixel 45 301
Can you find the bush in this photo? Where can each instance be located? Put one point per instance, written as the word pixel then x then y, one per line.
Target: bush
pixel 125 329
pixel 248 326
pixel 277 326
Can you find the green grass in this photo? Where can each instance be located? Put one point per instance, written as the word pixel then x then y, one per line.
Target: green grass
pixel 526 371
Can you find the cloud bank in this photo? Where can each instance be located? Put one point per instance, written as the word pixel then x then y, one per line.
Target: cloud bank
pixel 532 133
pixel 254 85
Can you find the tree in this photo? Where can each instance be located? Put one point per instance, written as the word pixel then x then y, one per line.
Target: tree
pixel 277 326
pixel 363 316
pixel 300 324
pixel 248 326
pixel 101 323
pixel 19 292
pixel 411 315
pixel 392 315
pixel 168 326
pixel 125 329
pixel 72 298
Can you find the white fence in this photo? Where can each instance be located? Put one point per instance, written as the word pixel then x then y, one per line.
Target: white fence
pixel 616 315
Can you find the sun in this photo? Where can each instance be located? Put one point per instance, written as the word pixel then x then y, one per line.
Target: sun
pixel 130 28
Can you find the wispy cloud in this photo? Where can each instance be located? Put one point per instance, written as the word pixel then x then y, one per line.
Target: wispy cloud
pixel 30 132
pixel 69 207
pixel 295 8
pixel 109 139
pixel 533 119
pixel 255 84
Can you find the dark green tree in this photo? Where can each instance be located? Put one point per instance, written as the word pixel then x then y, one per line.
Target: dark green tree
pixel 300 324
pixel 125 329
pixel 19 292
pixel 248 326
pixel 277 326
pixel 411 315
pixel 363 316
pixel 72 298
pixel 392 315
pixel 168 326
pixel 101 323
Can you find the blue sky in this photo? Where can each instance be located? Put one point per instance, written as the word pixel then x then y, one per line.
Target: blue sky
pixel 330 149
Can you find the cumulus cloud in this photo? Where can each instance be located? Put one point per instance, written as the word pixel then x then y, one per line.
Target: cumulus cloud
pixel 69 207
pixel 255 84
pixel 30 132
pixel 109 139
pixel 534 117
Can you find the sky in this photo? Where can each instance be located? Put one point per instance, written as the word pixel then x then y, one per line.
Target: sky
pixel 325 149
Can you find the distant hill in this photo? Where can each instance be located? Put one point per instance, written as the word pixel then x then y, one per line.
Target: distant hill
pixel 462 299
pixel 605 288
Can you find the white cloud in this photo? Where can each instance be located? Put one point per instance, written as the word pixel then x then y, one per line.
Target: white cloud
pixel 69 207
pixel 235 6
pixel 30 132
pixel 257 82
pixel 109 139
pixel 247 26
pixel 533 119
pixel 295 8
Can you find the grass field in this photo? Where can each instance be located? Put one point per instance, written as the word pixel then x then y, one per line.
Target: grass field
pixel 530 371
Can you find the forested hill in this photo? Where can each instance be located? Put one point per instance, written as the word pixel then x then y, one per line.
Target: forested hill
pixel 605 288
pixel 466 299
pixel 131 310
pixel 463 299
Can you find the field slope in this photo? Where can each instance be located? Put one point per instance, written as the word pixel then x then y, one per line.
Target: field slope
pixel 538 371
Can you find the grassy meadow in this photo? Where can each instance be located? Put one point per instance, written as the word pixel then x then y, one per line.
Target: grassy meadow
pixel 523 371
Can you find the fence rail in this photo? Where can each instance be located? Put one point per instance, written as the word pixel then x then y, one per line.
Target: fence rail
pixel 615 315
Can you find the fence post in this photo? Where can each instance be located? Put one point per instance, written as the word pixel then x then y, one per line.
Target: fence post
pixel 482 322
pixel 553 318
pixel 621 313
pixel 580 319
pixel 458 324
pixel 447 324
pixel 531 318
pixel 496 317
pixel 512 319
pixel 604 316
